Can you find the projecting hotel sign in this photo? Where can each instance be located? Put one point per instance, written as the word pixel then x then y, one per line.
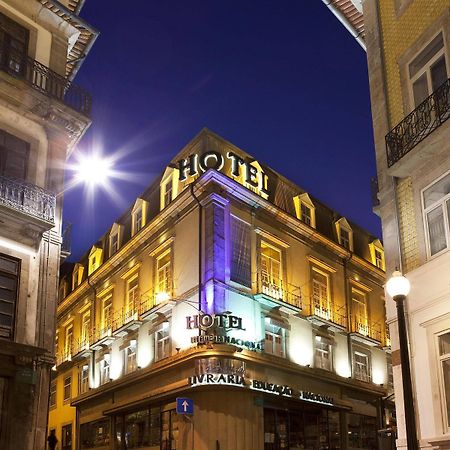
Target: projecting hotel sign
pixel 251 175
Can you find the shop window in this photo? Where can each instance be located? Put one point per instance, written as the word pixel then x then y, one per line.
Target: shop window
pixel 275 339
pixel 305 209
pixel 428 70
pixel 9 282
pixel 162 342
pixel 77 275
pixel 105 364
pixel 240 270
pixel 361 366
pixel 444 378
pixel 436 203
pixel 13 46
pixel 362 432
pixel 359 312
pixel 321 298
pixel 163 277
pixel 83 379
pixel 52 401
pixel 270 275
pixel 95 435
pixel 130 357
pixel 323 353
pixel 66 437
pixel 67 388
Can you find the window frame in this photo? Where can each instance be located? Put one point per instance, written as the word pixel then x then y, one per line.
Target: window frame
pixel 329 308
pixel 165 340
pixel 274 290
pixel 130 350
pixel 364 294
pixel 234 277
pixel 319 339
pixel 269 329
pixel 83 382
pixel 367 378
pixel 440 359
pixel 6 332
pixel 53 394
pixel 67 388
pixel 425 211
pixel 168 288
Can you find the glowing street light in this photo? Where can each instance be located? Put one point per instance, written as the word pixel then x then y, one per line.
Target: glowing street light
pixel 93 170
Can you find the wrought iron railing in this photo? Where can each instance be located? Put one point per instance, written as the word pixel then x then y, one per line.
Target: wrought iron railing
pixel 101 332
pixel 28 198
pixel 333 315
pixel 48 82
pixel 284 292
pixel 125 315
pixel 417 125
pixel 364 328
pixel 81 345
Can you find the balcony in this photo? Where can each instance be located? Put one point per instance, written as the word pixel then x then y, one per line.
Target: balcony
pixel 368 333
pixel 24 205
pixel 152 302
pixel 278 294
pixel 64 357
pixel 419 124
pixel 320 315
pixel 102 337
pixel 126 319
pixel 44 80
pixel 81 349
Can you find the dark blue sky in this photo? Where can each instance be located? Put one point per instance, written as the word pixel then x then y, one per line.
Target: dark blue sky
pixel 282 80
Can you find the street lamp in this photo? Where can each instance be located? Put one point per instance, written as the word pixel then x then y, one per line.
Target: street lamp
pixel 398 288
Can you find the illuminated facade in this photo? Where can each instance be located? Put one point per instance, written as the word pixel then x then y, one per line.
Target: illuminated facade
pixel 408 51
pixel 276 332
pixel 42 116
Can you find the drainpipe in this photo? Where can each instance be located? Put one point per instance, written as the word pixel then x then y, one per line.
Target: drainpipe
pixel 349 320
pixel 200 237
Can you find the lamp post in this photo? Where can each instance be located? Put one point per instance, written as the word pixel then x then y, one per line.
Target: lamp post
pixel 398 288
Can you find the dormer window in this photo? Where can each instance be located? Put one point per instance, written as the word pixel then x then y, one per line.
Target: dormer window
pixel 95 259
pixel 305 209
pixel 77 275
pixel 377 254
pixel 115 236
pixel 168 187
pixel 138 215
pixel 344 233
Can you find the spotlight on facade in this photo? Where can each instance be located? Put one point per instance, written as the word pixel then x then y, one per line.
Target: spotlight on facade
pixel 93 170
pixel 161 297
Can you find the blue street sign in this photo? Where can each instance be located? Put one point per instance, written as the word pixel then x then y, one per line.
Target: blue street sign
pixel 185 405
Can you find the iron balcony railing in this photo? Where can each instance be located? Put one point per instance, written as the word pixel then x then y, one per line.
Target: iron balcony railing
pixel 47 81
pixel 364 328
pixel 420 123
pixel 28 198
pixel 283 292
pixel 315 308
pixel 125 315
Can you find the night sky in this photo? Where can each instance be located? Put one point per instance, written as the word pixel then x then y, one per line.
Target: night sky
pixel 283 80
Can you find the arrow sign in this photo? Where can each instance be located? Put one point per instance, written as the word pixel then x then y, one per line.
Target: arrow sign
pixel 185 405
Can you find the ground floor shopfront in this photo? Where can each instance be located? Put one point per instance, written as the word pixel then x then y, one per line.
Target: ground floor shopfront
pixel 235 408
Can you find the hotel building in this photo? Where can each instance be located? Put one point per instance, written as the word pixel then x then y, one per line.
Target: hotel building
pixel 43 114
pixel 408 53
pixel 227 285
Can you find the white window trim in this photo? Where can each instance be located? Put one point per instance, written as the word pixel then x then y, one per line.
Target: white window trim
pixel 329 342
pixel 305 199
pixel 342 223
pixel 328 287
pixel 376 245
pixel 269 328
pixel 368 356
pixel 425 221
pixel 440 377
pixel 165 339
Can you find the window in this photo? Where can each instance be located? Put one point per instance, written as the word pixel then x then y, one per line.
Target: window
pixel 344 233
pixel 305 209
pixel 68 345
pixel 321 294
pixel 77 275
pixel 271 270
pixel 323 347
pixel 167 193
pixel 162 342
pixel 345 238
pixel 114 244
pixel 163 276
pixel 132 299
pixel 137 221
pixel 95 435
pixel 436 203
pixel 107 314
pixel 66 437
pixel 67 388
pixel 361 366
pixel 130 357
pixel 275 339
pixel 83 381
pixel 13 46
pixel 52 394
pixel 359 310
pixel 428 70
pixel 362 431
pixel 240 271
pixel 13 152
pixel 9 282
pixel 104 368
pixel 377 254
pixel 444 363
pixel 95 259
pixel 85 328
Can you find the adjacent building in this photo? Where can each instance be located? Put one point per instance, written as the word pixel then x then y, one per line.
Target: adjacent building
pixel 408 51
pixel 42 116
pixel 231 289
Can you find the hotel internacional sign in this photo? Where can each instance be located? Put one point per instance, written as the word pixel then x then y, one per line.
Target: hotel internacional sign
pixel 252 176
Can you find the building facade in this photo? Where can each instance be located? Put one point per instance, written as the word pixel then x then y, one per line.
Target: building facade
pixel 227 285
pixel 408 52
pixel 42 115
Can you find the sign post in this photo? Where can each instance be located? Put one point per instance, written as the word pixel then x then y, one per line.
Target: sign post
pixel 185 406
